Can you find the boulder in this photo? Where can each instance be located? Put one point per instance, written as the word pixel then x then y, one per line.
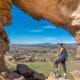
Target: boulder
pixel 39 76
pixel 11 76
pixel 30 78
pixel 76 74
pixel 28 73
pixel 24 70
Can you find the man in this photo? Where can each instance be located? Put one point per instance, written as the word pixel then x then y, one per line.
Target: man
pixel 60 57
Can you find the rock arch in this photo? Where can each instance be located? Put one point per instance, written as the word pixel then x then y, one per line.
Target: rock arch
pixel 63 13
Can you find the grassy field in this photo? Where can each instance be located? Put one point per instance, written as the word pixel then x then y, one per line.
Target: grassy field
pixel 47 68
pixel 42 57
pixel 44 68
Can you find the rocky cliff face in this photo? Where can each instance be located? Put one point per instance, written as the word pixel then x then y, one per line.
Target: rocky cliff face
pixel 5 12
pixel 63 13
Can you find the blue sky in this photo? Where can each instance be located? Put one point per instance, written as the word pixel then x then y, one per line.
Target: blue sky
pixel 26 30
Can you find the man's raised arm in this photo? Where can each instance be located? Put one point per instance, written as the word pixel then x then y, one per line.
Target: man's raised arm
pixel 29 6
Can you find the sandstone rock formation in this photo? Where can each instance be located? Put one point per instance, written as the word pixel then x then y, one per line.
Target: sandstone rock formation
pixel 76 74
pixel 5 12
pixel 3 47
pixel 63 13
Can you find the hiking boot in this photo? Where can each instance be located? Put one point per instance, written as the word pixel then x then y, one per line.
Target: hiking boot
pixel 55 71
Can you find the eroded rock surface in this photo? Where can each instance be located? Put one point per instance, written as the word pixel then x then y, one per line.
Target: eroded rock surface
pixel 3 47
pixel 63 13
pixel 5 12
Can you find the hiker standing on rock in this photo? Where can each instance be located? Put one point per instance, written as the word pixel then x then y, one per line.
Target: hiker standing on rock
pixel 60 57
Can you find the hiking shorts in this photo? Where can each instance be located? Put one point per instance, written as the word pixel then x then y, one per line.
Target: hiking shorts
pixel 60 60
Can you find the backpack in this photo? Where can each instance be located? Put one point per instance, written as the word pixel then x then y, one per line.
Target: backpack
pixel 64 54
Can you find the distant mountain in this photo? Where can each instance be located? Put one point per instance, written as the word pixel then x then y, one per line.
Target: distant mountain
pixel 55 45
pixel 46 44
pixel 43 44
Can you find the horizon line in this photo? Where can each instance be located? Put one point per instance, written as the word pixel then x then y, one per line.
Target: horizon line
pixel 39 43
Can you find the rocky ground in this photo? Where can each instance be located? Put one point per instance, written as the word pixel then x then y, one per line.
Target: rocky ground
pixel 22 72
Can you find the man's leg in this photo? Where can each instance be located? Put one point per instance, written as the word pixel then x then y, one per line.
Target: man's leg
pixel 64 67
pixel 56 62
pixel 55 67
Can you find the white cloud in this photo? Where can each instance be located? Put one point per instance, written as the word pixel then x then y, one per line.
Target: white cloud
pixel 36 31
pixel 49 27
pixel 49 38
